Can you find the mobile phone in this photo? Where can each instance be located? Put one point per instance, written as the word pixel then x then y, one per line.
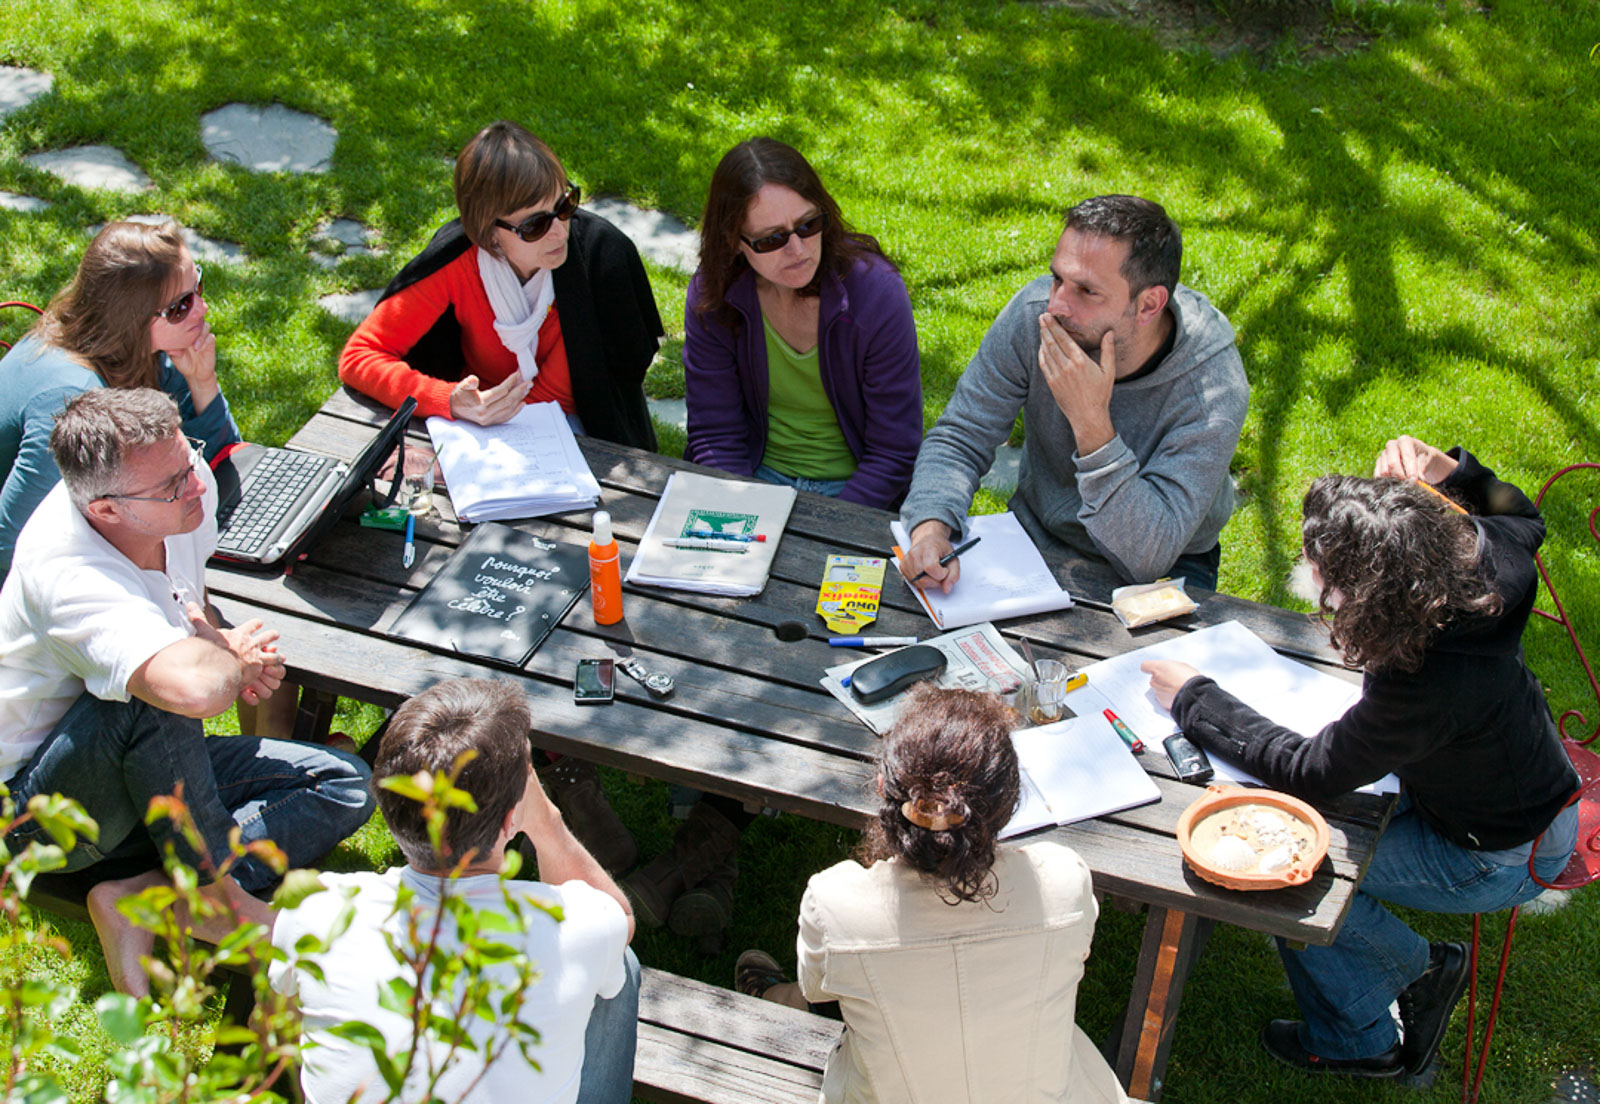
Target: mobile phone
pixel 1187 760
pixel 593 683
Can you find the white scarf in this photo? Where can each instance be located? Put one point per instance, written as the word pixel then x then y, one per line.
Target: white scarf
pixel 514 321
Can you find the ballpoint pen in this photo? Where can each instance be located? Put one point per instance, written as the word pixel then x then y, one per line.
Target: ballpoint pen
pixel 870 641
pixel 703 534
pixel 411 541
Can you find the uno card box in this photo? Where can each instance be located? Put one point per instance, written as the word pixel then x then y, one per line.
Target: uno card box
pixel 851 587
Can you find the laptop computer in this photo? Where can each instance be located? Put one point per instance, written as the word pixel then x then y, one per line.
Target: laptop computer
pixel 273 504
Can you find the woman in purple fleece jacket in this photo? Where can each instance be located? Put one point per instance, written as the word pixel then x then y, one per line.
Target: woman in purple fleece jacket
pixel 800 354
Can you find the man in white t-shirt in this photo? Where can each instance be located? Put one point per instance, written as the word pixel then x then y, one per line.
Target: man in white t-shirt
pixel 109 662
pixel 585 1003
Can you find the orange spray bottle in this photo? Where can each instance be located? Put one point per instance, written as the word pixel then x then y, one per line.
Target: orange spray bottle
pixel 605 576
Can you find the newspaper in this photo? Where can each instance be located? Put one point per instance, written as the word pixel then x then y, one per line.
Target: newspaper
pixel 976 658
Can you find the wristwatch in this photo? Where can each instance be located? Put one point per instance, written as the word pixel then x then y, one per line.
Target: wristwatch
pixel 659 685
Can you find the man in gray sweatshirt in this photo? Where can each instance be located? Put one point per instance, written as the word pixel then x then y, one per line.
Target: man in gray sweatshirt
pixel 1134 396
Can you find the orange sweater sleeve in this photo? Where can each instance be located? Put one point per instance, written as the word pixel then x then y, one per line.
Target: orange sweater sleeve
pixel 372 361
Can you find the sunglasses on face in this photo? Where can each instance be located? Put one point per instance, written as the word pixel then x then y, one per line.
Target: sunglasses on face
pixel 178 484
pixel 538 224
pixel 179 308
pixel 776 240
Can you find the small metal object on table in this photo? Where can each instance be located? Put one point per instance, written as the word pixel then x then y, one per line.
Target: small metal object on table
pixel 747 717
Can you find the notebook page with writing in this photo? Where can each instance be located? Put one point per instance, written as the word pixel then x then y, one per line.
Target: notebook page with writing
pixel 1003 576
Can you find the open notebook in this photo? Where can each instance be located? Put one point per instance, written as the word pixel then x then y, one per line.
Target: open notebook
pixel 1003 576
pixel 1076 770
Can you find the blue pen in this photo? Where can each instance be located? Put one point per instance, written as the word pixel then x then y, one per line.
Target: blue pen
pixel 870 641
pixel 411 541
pixel 703 534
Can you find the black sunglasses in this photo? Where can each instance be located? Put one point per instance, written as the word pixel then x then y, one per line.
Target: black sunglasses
pixel 179 308
pixel 768 243
pixel 538 224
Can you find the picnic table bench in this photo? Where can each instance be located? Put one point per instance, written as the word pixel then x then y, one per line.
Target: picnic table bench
pixel 749 718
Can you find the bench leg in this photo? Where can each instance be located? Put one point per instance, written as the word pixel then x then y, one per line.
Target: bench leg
pixel 315 715
pixel 1138 1051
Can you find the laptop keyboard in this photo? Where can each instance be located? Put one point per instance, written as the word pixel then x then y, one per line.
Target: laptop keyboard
pixel 275 486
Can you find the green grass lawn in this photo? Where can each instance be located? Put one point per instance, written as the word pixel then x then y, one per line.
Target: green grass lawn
pixel 1404 237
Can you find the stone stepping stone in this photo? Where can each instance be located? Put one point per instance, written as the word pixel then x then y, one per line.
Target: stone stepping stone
pixel 337 239
pixel 351 306
pixel 19 87
pixel 11 201
pixel 203 249
pixel 92 167
pixel 659 236
pixel 268 139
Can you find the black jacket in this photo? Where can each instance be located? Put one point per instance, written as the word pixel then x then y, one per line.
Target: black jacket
pixel 609 323
pixel 1469 733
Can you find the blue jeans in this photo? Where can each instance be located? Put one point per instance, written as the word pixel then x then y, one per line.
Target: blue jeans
pixel 113 757
pixel 1344 990
pixel 829 487
pixel 1199 568
pixel 610 1041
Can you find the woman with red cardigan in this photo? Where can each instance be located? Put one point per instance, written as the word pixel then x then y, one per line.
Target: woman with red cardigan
pixel 524 298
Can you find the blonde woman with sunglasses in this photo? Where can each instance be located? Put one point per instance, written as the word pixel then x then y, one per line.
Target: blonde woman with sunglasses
pixel 524 298
pixel 800 360
pixel 133 316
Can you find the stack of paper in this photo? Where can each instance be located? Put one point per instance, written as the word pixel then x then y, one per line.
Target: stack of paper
pixel 525 467
pixel 720 563
pixel 1003 576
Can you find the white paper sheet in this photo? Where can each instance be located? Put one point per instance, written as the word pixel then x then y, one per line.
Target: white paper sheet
pixel 1288 693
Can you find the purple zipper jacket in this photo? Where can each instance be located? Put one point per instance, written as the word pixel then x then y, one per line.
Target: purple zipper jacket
pixel 871 373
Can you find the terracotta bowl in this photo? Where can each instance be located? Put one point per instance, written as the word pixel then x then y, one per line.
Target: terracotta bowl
pixel 1218 799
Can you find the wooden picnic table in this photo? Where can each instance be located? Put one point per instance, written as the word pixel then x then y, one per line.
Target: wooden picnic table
pixel 749 718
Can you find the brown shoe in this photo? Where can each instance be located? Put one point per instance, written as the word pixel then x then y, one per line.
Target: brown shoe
pixel 706 909
pixel 705 842
pixel 574 786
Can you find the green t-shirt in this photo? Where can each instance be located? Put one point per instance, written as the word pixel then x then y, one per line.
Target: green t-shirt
pixel 803 434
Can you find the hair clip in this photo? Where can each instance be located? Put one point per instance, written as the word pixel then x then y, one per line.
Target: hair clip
pixel 933 822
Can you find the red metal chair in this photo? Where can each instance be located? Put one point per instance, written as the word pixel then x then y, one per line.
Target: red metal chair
pixel 1585 865
pixel 17 303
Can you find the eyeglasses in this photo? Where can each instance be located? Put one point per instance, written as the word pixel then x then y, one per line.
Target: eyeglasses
pixel 179 483
pixel 179 308
pixel 538 224
pixel 767 243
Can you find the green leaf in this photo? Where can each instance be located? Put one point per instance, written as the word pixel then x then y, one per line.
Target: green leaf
pixel 297 886
pixel 122 1017
pixel 360 1033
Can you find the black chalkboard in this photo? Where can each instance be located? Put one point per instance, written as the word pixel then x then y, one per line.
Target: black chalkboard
pixel 498 597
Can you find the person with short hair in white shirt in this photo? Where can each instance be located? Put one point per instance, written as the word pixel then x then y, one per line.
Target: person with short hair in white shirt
pixel 110 658
pixel 585 1001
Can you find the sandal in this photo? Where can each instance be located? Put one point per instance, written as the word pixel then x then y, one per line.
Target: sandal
pixel 756 972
